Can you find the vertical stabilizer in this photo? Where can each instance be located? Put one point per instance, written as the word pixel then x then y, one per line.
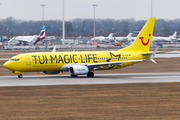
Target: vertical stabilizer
pixel 129 35
pixel 43 33
pixel 175 34
pixel 143 40
pixel 110 36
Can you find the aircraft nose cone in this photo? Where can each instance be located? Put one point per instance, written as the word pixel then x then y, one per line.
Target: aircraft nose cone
pixel 7 65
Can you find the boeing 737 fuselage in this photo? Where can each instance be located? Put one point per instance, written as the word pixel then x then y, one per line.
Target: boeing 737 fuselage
pixel 81 63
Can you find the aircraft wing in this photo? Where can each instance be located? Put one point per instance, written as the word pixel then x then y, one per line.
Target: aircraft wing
pixel 49 38
pixel 112 63
pixel 25 39
pixel 99 65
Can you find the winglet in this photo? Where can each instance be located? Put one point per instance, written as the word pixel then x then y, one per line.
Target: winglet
pixel 152 56
pixel 54 49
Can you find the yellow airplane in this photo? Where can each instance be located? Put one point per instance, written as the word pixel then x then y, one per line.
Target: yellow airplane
pixel 81 63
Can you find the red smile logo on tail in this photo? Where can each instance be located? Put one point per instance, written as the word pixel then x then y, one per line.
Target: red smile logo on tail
pixel 143 41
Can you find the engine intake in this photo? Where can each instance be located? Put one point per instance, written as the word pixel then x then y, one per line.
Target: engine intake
pixel 78 70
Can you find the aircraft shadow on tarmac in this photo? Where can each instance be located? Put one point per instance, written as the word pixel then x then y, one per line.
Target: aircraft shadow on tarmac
pixel 99 76
pixel 69 77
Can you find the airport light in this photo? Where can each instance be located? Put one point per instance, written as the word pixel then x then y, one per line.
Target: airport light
pixel 76 32
pixel 30 31
pixel 43 13
pixel 151 8
pixel 7 32
pixel 63 30
pixel 112 29
pixel 51 29
pixel 94 18
pixel 10 34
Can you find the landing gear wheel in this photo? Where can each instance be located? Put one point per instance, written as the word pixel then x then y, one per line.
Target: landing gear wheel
pixel 90 74
pixel 20 76
pixel 73 75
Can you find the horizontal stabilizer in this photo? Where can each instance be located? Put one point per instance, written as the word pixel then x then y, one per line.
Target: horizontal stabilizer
pixel 153 55
pixel 146 54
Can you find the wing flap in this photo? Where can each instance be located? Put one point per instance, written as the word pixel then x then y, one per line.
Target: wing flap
pixel 96 66
pixel 112 63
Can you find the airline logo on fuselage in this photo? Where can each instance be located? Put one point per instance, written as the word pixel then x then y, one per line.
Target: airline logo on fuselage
pixel 112 55
pixel 73 58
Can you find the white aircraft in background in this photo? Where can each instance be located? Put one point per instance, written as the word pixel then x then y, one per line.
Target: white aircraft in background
pixel 102 38
pixel 29 39
pixel 171 38
pixel 123 39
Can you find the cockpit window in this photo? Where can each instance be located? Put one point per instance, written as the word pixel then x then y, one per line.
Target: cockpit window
pixel 14 59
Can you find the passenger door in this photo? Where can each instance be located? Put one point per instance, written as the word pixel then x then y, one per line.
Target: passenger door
pixel 28 60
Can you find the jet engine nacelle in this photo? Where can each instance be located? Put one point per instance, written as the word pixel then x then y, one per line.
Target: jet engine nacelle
pixel 78 70
pixel 51 72
pixel 17 42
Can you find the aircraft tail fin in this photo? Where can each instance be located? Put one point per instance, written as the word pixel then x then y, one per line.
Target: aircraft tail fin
pixel 54 49
pixel 129 35
pixel 43 31
pixel 143 40
pixel 175 34
pixel 42 35
pixel 110 36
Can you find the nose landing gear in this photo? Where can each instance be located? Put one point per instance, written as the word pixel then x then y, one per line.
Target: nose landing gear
pixel 20 76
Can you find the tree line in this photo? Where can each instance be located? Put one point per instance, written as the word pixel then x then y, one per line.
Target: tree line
pixel 84 27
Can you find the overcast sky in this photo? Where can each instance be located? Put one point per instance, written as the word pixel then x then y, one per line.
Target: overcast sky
pixel 114 9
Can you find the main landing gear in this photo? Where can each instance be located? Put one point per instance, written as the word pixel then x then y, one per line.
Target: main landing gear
pixel 90 74
pixel 20 76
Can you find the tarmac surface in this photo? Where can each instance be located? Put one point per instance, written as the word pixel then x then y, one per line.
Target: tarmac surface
pixel 36 80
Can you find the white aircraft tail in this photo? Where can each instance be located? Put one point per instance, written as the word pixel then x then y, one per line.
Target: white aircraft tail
pixel 175 34
pixel 129 35
pixel 110 37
